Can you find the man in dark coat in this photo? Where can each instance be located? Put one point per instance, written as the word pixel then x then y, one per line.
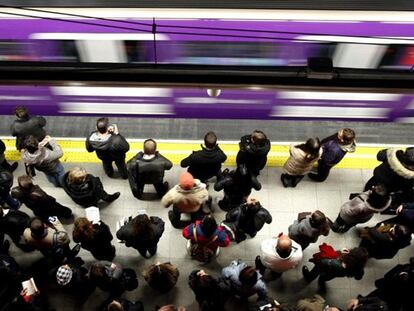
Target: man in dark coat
pixel 253 152
pixel 396 173
pixel 25 125
pixel 148 167
pixel 237 186
pixel 3 162
pixel 13 223
pixel 248 218
pixel 6 182
pixel 205 163
pixel 110 146
pixel 42 204
pixel 334 147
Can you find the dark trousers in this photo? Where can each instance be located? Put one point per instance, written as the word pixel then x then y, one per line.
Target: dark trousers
pixel 6 166
pixel 317 271
pixel 322 174
pixel 340 225
pixel 161 188
pixel 290 180
pixel 262 270
pixel 175 217
pixel 152 249
pixel 120 164
pixel 7 198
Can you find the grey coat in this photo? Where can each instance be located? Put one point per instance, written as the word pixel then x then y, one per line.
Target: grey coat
pixel 358 210
pixel 303 233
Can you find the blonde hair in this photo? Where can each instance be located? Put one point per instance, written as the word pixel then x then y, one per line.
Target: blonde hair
pixel 77 175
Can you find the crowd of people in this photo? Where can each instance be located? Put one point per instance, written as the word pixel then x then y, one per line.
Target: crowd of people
pixel 389 191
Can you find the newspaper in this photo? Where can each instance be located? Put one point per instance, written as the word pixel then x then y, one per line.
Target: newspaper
pixel 30 287
pixel 92 213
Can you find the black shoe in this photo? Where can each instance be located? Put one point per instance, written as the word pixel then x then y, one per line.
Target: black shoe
pixel 306 274
pixel 259 265
pixel 113 197
pixel 284 181
pixel 14 166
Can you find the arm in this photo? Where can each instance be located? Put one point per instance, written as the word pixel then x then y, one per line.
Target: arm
pixel 223 156
pixel 188 232
pixel 160 225
pixel 121 144
pixel 167 199
pixel 167 163
pixel 232 215
pixel 223 239
pixel 2 147
pixel 57 152
pixel 88 145
pixel 382 155
pixel 41 121
pixel 105 232
pixel 187 161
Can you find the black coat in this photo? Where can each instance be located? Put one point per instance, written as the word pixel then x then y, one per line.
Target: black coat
pixel 114 148
pixel 126 233
pixel 392 173
pixel 99 243
pixel 146 171
pixel 252 155
pixel 87 194
pixel 6 182
pixel 14 223
pixel 205 163
pixel 24 128
pixel 209 298
pixel 243 219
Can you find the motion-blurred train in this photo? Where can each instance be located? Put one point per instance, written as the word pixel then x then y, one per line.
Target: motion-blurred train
pixel 219 37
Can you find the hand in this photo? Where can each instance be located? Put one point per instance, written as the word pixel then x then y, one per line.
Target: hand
pixel 345 250
pixel 399 209
pixel 352 304
pixel 251 200
pixel 23 292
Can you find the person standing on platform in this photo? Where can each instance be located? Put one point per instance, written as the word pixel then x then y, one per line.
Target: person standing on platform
pixel 278 255
pixel 302 157
pixel 36 155
pixel 188 196
pixel 26 126
pixel 3 162
pixel 205 163
pixel 6 182
pixel 110 146
pixel 85 189
pixel 307 228
pixel 252 155
pixel 334 149
pixel 148 167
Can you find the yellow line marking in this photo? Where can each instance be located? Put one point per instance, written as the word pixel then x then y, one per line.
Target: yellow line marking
pixel 75 151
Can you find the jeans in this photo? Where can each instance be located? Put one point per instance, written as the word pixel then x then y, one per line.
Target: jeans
pixel 56 176
pixel 7 198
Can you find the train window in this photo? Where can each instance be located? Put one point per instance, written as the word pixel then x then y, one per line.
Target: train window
pixel 398 56
pixel 58 50
pixel 15 51
pixel 246 53
pixel 136 51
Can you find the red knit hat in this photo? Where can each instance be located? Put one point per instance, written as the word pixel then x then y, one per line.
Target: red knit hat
pixel 186 181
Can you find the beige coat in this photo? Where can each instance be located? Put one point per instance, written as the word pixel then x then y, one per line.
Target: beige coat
pixel 51 239
pixel 297 164
pixel 316 303
pixel 187 201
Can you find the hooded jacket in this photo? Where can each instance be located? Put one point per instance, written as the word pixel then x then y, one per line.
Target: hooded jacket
pixel 187 201
pixel 252 155
pixel 392 173
pixel 358 210
pixel 142 170
pixel 44 159
pixel 36 199
pixel 24 128
pixel 205 163
pixel 221 241
pixel 87 194
pixel 126 233
pixel 110 147
pixel 297 163
pixel 333 152
pixel 272 260
pixel 303 233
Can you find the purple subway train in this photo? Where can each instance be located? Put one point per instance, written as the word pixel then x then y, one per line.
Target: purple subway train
pixel 114 36
pixel 252 103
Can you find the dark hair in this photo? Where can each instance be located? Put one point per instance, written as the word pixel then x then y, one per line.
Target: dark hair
pixel 208 225
pixel 248 276
pixel 311 148
pixel 378 197
pixel 253 208
pixel 82 230
pixel 31 144
pixel 21 112
pixel 102 125
pixel 259 137
pixel 25 181
pixel 98 275
pixel 210 140
pixel 348 135
pixel 161 277
pixel 142 226
pixel 318 219
pixel 115 307
pixel 37 227
pixel 401 231
pixel 356 259
pixel 150 146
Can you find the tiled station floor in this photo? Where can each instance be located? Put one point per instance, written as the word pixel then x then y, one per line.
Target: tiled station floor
pixel 284 205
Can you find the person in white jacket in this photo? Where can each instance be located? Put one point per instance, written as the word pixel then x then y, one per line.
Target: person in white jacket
pixel 279 255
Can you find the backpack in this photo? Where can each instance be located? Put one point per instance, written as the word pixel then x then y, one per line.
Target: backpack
pixel 202 252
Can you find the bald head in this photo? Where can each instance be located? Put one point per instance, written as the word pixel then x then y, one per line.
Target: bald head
pixel 150 146
pixel 284 246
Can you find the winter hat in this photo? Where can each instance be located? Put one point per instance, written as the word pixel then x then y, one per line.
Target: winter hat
pixel 186 181
pixel 64 275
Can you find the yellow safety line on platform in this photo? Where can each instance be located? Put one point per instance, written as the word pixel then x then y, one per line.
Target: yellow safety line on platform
pixel 75 151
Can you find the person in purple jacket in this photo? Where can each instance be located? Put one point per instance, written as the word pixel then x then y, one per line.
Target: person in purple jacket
pixel 334 147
